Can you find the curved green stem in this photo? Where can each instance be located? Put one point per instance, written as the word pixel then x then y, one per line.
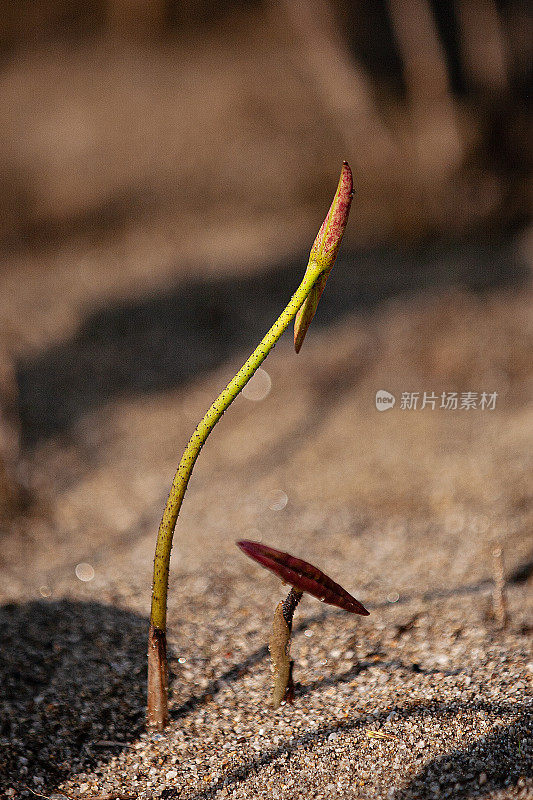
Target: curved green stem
pixel 158 616
pixel 320 263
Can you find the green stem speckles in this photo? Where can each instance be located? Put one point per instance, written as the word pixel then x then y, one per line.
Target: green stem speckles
pixel 197 440
pixel 320 261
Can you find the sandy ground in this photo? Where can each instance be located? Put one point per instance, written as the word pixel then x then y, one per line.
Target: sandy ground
pixel 425 698
pixel 156 212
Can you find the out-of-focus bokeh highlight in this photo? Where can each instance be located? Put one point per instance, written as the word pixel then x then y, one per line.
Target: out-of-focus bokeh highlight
pixel 164 167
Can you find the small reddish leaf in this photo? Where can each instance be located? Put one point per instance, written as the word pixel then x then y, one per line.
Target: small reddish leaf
pixel 324 251
pixel 303 576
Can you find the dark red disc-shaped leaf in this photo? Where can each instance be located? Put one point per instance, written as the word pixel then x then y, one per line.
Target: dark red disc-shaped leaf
pixel 303 576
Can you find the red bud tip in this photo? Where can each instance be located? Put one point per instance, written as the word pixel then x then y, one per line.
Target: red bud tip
pixel 325 249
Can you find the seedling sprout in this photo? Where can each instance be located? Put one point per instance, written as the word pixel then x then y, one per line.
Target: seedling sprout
pixel 303 306
pixel 303 577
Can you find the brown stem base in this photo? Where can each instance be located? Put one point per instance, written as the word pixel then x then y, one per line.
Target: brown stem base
pixel 279 646
pixel 157 705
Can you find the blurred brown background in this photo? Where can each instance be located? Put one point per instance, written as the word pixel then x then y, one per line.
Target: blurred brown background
pixel 165 166
pixel 164 169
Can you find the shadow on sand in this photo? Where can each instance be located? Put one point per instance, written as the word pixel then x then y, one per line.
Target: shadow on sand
pixel 161 341
pixel 72 688
pixel 72 692
pixel 455 774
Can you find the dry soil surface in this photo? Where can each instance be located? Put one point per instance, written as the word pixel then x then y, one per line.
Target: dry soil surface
pixel 428 697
